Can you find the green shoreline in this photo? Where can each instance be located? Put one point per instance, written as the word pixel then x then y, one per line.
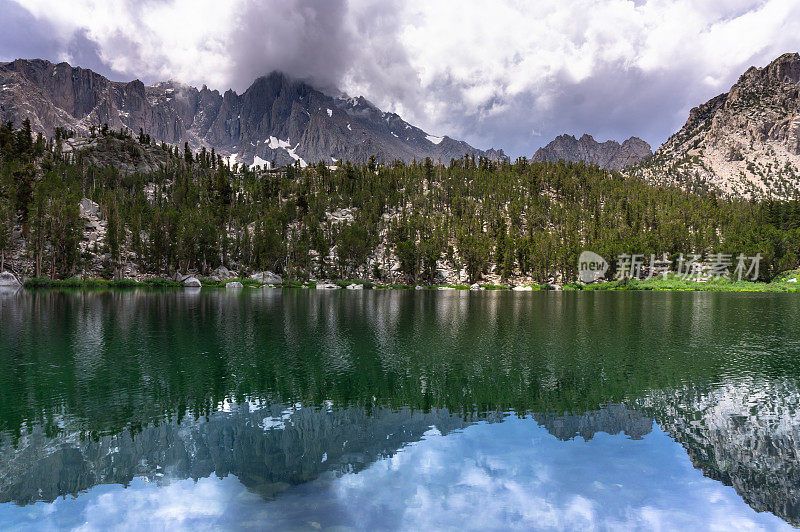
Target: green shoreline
pixel 787 282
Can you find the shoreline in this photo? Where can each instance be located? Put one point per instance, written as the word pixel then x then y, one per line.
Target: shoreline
pixel 782 284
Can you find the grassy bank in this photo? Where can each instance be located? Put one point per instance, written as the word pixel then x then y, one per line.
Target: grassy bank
pixel 780 284
pixel 74 282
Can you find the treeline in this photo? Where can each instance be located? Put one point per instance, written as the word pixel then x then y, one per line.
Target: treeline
pixel 521 219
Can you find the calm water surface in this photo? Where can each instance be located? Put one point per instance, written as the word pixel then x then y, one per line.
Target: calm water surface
pixel 398 410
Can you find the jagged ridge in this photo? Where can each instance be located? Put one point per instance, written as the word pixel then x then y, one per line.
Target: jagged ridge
pixel 609 154
pixel 277 119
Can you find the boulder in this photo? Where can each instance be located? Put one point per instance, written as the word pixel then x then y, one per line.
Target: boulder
pixel 327 286
pixel 418 287
pixel 355 287
pixel 8 279
pixel 267 278
pixel 88 208
pixel 233 284
pixel 475 286
pixel 527 288
pixel 192 282
pixel 223 273
pixel 446 288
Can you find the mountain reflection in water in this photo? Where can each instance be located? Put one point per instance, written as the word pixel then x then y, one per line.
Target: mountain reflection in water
pixel 290 391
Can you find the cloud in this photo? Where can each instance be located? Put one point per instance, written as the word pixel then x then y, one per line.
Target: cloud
pixel 512 75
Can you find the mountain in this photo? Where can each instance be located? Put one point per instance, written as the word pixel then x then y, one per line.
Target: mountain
pixel 609 154
pixel 745 142
pixel 277 119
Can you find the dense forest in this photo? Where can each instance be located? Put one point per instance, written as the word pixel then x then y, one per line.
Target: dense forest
pixel 389 222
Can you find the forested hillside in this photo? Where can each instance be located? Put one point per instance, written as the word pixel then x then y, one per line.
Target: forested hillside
pixel 120 205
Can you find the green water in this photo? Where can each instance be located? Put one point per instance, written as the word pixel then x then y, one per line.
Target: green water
pixel 315 409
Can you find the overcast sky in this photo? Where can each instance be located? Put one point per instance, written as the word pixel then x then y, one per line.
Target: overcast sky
pixel 508 74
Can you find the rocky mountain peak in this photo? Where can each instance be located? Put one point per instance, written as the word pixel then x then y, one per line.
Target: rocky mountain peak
pixel 277 119
pixel 609 154
pixel 745 142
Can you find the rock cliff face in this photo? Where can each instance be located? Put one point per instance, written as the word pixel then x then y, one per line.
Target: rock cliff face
pixel 745 142
pixel 277 120
pixel 609 154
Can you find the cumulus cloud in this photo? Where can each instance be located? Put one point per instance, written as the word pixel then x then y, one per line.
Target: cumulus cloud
pixel 513 74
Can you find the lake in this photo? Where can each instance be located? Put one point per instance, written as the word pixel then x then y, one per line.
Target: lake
pixel 412 410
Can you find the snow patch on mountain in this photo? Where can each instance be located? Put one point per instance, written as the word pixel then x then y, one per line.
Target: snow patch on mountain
pixel 276 143
pixel 259 162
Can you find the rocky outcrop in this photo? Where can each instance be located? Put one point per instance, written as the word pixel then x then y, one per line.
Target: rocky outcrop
pixel 127 155
pixel 276 121
pixel 743 143
pixel 609 154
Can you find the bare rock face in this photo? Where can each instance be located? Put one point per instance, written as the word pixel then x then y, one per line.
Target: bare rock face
pixel 743 143
pixel 276 121
pixel 609 154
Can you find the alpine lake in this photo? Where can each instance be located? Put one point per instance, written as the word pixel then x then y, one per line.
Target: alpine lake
pixel 412 410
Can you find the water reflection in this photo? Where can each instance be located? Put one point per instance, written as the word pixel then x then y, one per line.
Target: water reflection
pixel 292 393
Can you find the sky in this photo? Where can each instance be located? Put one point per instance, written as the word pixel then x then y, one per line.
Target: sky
pixel 508 74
